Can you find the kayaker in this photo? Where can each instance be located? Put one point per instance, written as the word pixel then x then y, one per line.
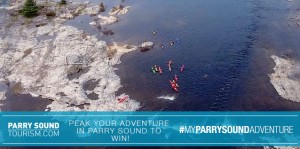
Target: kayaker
pixel 178 41
pixel 174 85
pixel 162 46
pixel 182 68
pixel 156 68
pixel 160 70
pixel 153 69
pixel 154 32
pixel 176 78
pixel 170 65
pixel 173 82
pixel 172 43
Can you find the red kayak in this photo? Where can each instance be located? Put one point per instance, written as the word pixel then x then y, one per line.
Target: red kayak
pixel 175 89
pixel 122 99
pixel 174 85
pixel 160 70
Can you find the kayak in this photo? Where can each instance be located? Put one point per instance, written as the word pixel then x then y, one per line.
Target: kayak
pixel 176 78
pixel 174 86
pixel 153 70
pixel 162 46
pixel 122 99
pixel 171 43
pixel 160 70
pixel 170 65
pixel 178 41
pixel 182 68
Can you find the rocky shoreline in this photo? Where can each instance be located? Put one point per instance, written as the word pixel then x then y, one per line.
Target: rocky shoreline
pixel 286 78
pixel 42 53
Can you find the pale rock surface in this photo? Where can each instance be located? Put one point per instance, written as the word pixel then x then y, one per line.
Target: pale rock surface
pixel 286 78
pixel 119 11
pixel 107 20
pixel 147 44
pixel 93 10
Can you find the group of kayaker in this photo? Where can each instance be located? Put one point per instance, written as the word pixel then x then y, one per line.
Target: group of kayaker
pixel 156 69
pixel 174 81
pixel 171 42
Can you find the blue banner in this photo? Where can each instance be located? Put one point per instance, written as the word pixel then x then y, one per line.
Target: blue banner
pixel 149 128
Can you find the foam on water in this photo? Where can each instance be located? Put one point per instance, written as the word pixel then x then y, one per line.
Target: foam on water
pixel 168 97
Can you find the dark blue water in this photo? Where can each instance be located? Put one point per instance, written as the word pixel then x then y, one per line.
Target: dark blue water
pixel 217 44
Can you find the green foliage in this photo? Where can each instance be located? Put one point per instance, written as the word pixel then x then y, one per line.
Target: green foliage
pixel 30 9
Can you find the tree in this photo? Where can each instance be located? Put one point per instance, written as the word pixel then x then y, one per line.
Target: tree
pixel 63 2
pixel 30 9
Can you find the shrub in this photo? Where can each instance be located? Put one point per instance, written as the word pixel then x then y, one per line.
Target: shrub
pixel 30 9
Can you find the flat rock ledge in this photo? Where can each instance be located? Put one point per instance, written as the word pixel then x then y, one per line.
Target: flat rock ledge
pixel 286 78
